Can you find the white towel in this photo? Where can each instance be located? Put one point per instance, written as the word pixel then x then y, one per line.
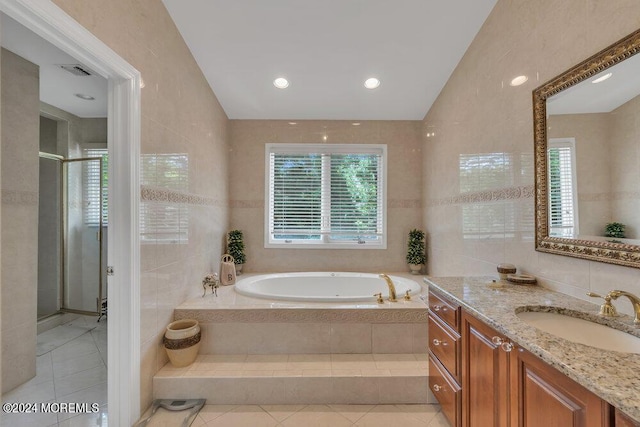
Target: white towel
pixel 227 270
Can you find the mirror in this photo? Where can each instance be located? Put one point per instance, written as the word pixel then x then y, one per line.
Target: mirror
pixel 587 158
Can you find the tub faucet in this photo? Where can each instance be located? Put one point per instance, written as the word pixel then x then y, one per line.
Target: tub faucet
pixel 615 294
pixel 392 288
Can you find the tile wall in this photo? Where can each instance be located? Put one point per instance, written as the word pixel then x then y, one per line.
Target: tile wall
pixel 19 230
pixel 247 190
pixel 184 153
pixel 479 118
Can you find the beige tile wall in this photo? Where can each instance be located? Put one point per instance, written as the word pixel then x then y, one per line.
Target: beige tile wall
pixel 180 115
pixel 479 112
pixel 247 180
pixel 19 231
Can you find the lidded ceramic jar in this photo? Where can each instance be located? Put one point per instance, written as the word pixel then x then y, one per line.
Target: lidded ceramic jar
pixel 505 269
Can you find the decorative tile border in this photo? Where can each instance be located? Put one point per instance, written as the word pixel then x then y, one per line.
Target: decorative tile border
pixel 302 315
pixel 20 198
pixel 508 193
pixel 158 194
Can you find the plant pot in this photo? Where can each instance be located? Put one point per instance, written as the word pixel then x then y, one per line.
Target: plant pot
pixel 415 268
pixel 239 269
pixel 182 342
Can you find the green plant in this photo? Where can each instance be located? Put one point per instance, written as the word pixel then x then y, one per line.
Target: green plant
pixel 235 246
pixel 415 249
pixel 614 229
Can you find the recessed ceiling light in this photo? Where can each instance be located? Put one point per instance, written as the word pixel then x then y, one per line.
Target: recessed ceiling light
pixel 371 83
pixel 356 123
pixel 281 83
pixel 602 78
pixel 293 123
pixel 517 81
pixel 85 97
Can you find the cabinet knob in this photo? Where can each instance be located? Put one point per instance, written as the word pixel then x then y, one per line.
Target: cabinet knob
pixel 497 340
pixel 506 346
pixel 438 342
pixel 436 388
pixel 437 307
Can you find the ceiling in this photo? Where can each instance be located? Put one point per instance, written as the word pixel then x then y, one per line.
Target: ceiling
pixel 57 86
pixel 604 97
pixel 326 49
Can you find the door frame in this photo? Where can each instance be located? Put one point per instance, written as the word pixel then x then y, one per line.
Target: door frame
pixel 47 20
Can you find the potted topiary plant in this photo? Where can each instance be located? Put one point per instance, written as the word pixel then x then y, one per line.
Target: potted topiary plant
pixel 614 229
pixel 415 251
pixel 235 248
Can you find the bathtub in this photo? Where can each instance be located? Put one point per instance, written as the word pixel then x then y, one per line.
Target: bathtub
pixel 322 286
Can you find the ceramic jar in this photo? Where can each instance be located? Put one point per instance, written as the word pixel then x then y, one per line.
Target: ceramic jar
pixel 182 342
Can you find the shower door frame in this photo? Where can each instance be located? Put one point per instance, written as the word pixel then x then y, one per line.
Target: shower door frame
pixel 63 216
pixel 124 85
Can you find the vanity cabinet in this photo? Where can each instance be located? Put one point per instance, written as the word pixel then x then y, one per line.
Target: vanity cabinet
pixel 444 356
pixel 503 384
pixel 482 379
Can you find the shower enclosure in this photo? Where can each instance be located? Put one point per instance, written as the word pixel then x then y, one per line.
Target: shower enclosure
pixel 71 235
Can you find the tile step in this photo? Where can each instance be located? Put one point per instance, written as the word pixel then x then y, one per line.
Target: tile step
pixel 299 379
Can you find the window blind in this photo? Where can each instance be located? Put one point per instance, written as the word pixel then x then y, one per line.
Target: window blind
pixel 165 222
pixel 562 188
pixel 328 194
pixel 95 180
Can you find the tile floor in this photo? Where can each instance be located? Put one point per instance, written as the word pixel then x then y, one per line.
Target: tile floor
pixel 74 372
pixel 309 416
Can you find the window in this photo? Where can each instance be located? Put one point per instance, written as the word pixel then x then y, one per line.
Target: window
pixel 95 176
pixel 329 196
pixel 563 207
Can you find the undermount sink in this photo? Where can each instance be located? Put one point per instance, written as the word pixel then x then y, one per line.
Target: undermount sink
pixel 582 331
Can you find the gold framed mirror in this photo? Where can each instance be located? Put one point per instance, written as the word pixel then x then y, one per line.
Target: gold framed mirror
pixel 587 158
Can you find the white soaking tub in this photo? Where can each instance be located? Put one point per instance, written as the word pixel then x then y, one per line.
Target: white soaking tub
pixel 323 286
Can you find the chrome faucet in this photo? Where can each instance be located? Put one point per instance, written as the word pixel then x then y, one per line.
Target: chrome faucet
pixel 392 288
pixel 615 294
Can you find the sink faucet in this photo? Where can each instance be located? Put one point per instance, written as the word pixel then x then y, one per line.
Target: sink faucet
pixel 615 294
pixel 392 288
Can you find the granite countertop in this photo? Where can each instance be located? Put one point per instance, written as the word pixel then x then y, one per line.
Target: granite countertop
pixel 613 376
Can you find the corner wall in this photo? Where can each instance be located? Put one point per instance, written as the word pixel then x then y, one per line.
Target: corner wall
pixel 478 112
pixel 181 119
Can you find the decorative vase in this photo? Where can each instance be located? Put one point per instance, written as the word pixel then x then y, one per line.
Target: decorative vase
pixel 415 268
pixel 182 342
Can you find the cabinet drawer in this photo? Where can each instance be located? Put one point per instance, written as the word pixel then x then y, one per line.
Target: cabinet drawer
pixel 447 311
pixel 444 343
pixel 623 421
pixel 446 390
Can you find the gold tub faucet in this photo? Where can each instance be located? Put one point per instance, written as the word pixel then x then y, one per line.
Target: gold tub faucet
pixel 392 288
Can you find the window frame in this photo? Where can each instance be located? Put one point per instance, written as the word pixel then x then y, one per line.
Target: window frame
pixel 325 242
pixel 570 143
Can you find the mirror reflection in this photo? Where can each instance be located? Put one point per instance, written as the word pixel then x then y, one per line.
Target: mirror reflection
pixel 587 158
pixel 593 157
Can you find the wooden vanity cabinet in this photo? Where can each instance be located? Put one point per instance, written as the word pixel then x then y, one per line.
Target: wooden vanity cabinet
pixel 485 375
pixel 444 356
pixel 505 385
pixel 623 421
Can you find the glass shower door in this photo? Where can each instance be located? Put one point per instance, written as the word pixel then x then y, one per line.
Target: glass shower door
pixel 84 209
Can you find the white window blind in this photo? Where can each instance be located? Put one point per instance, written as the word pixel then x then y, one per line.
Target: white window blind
pixel 331 195
pixel 563 216
pixel 165 222
pixel 95 186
